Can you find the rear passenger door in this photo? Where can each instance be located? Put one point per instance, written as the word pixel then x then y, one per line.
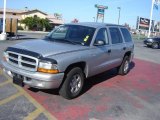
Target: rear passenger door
pixel 118 46
pixel 127 38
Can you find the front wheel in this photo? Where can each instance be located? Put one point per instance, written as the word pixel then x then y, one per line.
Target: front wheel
pixel 73 83
pixel 124 67
pixel 155 45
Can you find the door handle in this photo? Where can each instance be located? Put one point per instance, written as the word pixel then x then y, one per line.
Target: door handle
pixel 109 51
pixel 124 48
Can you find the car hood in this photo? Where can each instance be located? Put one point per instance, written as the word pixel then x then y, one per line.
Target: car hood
pixel 49 48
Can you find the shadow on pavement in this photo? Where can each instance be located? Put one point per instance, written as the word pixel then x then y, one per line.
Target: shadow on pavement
pixel 90 82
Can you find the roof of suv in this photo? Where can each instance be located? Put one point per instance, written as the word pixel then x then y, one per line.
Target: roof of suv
pixel 94 24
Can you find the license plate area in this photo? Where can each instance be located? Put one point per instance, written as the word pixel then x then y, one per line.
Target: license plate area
pixel 18 80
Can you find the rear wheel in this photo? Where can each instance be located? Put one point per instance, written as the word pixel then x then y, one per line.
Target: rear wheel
pixel 73 83
pixel 155 45
pixel 124 67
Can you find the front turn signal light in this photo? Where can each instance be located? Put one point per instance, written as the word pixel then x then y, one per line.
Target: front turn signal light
pixel 51 71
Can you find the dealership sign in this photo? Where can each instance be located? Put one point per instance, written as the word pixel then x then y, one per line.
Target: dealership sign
pixel 143 23
pixel 100 11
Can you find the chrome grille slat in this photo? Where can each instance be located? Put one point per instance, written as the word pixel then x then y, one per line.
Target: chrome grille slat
pixel 30 63
pixel 11 61
pixel 13 58
pixel 22 61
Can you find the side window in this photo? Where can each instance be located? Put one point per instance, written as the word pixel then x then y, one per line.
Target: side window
pixel 102 35
pixel 126 35
pixel 115 35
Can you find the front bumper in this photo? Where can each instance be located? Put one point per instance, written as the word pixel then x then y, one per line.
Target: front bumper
pixel 147 43
pixel 34 79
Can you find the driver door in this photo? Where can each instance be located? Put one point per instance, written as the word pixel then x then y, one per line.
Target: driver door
pixel 100 53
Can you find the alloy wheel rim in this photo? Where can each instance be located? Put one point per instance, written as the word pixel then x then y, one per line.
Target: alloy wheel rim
pixel 126 66
pixel 75 83
pixel 155 45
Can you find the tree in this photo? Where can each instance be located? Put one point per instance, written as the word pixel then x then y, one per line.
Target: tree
pixel 45 24
pixel 127 26
pixel 28 22
pixel 75 21
pixel 36 23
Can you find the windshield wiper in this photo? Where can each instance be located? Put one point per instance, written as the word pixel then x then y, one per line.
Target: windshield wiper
pixel 77 42
pixel 66 40
pixel 63 40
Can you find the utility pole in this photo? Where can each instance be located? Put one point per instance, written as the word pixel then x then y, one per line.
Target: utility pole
pixel 3 35
pixel 119 8
pixel 150 24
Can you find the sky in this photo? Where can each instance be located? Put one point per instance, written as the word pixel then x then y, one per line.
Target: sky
pixel 85 11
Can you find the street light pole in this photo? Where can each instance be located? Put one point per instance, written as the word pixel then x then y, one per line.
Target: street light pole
pixel 119 8
pixel 150 24
pixel 3 34
pixel 4 17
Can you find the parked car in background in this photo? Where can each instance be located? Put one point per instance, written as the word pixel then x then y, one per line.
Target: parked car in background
pixel 152 42
pixel 68 55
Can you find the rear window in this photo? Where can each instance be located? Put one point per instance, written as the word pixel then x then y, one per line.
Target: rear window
pixel 126 35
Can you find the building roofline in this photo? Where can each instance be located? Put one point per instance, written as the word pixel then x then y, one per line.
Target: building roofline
pixel 29 11
pixel 9 10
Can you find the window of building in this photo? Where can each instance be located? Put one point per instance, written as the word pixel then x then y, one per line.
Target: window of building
pixel 14 14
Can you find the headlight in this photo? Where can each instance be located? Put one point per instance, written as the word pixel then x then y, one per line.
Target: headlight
pixel 47 67
pixel 5 56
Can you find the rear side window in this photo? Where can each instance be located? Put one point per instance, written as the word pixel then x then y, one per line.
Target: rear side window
pixel 126 35
pixel 115 35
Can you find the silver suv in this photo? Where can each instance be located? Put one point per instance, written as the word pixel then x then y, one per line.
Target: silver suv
pixel 68 55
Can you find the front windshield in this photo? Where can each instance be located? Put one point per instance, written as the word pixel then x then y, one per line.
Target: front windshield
pixel 72 33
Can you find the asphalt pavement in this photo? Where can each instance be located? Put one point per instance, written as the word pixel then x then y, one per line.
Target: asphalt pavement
pixel 144 53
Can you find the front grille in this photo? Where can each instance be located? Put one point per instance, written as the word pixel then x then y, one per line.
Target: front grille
pixel 13 61
pixel 22 61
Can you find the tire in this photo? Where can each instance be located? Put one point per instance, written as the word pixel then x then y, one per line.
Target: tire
pixel 124 67
pixel 148 46
pixel 155 45
pixel 73 84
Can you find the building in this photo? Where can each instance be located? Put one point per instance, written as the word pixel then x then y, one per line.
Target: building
pixel 157 26
pixel 12 13
pixel 54 19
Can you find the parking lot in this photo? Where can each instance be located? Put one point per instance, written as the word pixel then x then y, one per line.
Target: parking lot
pixel 107 96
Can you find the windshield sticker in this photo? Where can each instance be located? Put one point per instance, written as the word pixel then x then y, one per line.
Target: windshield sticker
pixel 86 38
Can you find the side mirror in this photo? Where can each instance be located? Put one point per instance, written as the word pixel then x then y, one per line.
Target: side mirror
pixel 47 37
pixel 99 43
